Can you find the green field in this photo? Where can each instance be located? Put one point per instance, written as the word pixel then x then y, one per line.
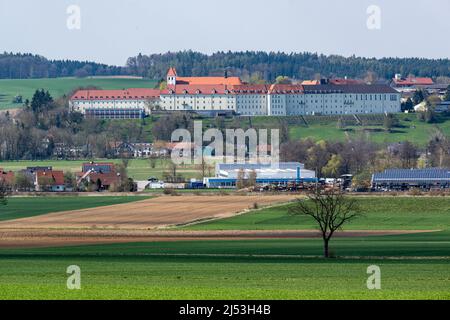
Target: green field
pixel 61 86
pixel 413 266
pixel 22 207
pixel 379 213
pixel 231 270
pixel 138 169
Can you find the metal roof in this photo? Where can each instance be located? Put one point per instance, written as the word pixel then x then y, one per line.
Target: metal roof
pixel 260 166
pixel 281 170
pixel 412 175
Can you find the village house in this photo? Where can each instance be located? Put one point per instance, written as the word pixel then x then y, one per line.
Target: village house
pixel 98 176
pixel 49 180
pixel 7 177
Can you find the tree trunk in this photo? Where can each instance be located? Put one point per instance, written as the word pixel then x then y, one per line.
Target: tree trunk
pixel 325 248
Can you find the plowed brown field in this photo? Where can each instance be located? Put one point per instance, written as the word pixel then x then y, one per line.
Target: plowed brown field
pixel 148 214
pixel 143 221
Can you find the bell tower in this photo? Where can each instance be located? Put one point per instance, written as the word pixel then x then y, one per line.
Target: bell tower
pixel 172 77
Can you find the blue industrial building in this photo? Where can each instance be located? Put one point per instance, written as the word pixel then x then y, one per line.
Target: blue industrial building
pixel 281 174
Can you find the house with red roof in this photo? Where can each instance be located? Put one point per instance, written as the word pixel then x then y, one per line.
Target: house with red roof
pixel 98 176
pixel 49 180
pixel 7 177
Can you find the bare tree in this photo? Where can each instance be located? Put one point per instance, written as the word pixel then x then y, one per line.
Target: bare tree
pixel 240 179
pixel 330 209
pixel 252 176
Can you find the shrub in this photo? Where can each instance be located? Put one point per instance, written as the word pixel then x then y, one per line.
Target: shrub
pixel 171 192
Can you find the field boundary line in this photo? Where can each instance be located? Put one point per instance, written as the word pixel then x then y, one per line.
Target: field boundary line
pixel 216 218
pixel 231 255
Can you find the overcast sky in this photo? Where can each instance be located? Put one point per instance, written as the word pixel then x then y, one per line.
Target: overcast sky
pixel 113 30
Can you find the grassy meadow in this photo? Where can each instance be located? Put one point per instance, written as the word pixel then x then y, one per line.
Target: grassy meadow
pixel 262 269
pixel 23 207
pixel 378 213
pixel 138 169
pixel 410 128
pixel 61 86
pixel 413 266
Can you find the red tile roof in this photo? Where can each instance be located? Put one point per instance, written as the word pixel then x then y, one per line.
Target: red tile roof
pixel 106 179
pixel 285 89
pixel 251 89
pixel 230 81
pixel 7 177
pixel 414 81
pixel 338 81
pixel 172 72
pixel 126 94
pixel 55 178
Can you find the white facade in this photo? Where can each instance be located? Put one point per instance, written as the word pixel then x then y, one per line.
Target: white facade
pixel 83 105
pixel 197 102
pixel 248 100
pixel 252 104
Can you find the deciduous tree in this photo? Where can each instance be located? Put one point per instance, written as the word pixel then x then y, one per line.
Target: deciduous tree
pixel 331 210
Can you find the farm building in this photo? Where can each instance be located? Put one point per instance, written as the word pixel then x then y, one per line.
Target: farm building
pixel 49 180
pixel 403 179
pixel 100 175
pixel 283 173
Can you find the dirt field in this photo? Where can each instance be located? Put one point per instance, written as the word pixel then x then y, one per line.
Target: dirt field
pixel 144 221
pixel 148 214
pixel 29 238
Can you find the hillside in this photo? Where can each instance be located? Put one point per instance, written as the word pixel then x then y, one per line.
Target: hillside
pixel 32 66
pixel 326 127
pixel 60 86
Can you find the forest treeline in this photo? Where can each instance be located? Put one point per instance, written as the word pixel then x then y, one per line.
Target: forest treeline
pixel 251 66
pixel 30 66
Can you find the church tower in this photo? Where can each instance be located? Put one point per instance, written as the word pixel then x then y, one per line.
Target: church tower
pixel 172 77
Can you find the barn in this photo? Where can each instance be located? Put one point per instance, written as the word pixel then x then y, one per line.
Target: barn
pixel 404 179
